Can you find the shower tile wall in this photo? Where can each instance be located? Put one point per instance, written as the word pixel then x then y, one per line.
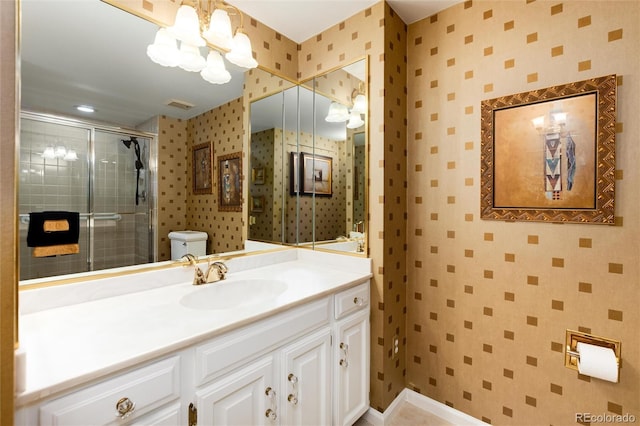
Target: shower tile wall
pixel 52 184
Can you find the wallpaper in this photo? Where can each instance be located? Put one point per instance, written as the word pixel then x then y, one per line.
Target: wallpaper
pixel 488 303
pixel 222 128
pixel 172 181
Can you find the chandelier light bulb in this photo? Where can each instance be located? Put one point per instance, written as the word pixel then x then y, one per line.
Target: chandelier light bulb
pixel 49 153
pixel 241 52
pixel 338 113
pixel 360 104
pixel 215 71
pixel 164 50
pixel 186 27
pixel 355 120
pixel 190 58
pixel 71 155
pixel 219 32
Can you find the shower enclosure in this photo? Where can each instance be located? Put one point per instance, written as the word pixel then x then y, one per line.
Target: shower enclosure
pixel 103 173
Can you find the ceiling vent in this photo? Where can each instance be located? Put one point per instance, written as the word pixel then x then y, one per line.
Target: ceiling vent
pixel 179 104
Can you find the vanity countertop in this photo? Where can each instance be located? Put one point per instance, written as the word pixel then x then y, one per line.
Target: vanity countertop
pixel 73 344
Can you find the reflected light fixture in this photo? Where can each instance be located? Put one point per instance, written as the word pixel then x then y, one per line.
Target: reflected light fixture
pixel 339 113
pixel 200 23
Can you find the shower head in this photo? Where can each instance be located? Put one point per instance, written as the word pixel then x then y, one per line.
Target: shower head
pixel 128 143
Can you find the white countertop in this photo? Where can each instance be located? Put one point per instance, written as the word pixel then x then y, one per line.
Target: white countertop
pixel 73 344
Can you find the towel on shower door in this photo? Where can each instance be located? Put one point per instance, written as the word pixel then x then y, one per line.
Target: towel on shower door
pixel 53 233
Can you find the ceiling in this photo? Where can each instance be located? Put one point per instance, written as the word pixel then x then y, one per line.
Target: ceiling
pixel 69 60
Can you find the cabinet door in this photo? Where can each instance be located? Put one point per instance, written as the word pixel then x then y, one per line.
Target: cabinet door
pixel 351 367
pixel 306 381
pixel 245 397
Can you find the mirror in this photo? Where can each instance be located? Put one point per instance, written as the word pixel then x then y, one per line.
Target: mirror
pixel 55 80
pixel 319 197
pixel 68 60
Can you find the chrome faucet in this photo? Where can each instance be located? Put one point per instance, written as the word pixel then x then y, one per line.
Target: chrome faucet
pixel 217 271
pixel 198 277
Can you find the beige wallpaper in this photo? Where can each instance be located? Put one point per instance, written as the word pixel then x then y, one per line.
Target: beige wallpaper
pixel 222 128
pixel 265 224
pixel 172 181
pixel 488 302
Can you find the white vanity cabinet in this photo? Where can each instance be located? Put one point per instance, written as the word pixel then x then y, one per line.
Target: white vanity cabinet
pixel 124 399
pixel 351 355
pixel 305 365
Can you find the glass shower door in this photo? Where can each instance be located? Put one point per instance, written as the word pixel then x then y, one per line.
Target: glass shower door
pixel 121 220
pixel 104 175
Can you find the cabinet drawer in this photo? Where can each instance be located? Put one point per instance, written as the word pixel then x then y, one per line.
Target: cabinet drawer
pixel 147 387
pixel 241 345
pixel 352 300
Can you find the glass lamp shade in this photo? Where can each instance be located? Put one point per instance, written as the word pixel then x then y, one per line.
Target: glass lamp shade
pixel 71 155
pixel 49 153
pixel 360 104
pixel 164 50
pixel 338 113
pixel 215 72
pixel 355 120
pixel 241 53
pixel 186 27
pixel 219 31
pixel 60 151
pixel 190 58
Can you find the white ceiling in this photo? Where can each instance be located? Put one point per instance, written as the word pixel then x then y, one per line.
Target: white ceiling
pixel 300 20
pixel 88 52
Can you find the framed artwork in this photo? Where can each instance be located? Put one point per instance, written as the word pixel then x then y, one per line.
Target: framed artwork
pixel 549 155
pixel 257 204
pixel 257 175
pixel 202 169
pixel 230 182
pixel 294 173
pixel 316 173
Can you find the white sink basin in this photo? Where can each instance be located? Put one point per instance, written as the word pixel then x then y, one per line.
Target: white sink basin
pixel 233 294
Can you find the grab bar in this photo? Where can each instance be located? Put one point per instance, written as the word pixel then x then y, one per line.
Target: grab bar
pixel 24 217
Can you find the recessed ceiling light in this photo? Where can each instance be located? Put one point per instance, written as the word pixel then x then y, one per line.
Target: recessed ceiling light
pixel 85 108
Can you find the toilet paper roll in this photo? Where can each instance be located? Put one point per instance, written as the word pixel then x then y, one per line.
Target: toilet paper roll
pixel 598 362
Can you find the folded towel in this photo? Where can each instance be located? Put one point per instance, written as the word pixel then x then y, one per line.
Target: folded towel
pixel 53 228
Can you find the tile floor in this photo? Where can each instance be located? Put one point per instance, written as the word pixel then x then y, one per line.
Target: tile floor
pixel 410 415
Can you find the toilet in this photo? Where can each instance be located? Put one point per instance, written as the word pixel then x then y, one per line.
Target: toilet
pixel 183 242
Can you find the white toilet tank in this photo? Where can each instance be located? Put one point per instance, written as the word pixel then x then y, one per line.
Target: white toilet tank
pixel 183 242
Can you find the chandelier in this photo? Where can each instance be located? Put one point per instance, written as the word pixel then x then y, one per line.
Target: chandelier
pixel 200 23
pixel 339 113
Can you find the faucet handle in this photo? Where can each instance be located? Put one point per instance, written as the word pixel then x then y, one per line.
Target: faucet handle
pixel 191 259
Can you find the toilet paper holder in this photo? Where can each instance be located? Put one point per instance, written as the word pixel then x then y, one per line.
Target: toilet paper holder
pixel 573 337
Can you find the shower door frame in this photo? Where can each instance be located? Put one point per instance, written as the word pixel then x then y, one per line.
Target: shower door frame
pixel 92 128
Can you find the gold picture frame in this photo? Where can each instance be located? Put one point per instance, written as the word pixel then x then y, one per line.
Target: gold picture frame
pixel 230 182
pixel 316 172
pixel 202 155
pixel 549 155
pixel 257 204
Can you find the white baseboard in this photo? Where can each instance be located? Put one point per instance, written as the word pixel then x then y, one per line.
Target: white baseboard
pixel 450 415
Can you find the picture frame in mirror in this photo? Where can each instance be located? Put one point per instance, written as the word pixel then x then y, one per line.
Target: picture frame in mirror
pixel 230 182
pixel 202 155
pixel 317 174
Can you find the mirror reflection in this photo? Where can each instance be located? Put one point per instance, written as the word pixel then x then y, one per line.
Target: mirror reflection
pixel 315 133
pixel 131 196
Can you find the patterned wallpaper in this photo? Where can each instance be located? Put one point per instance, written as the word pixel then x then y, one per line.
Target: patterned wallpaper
pixel 172 181
pixel 222 127
pixel 488 302
pixel 266 226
